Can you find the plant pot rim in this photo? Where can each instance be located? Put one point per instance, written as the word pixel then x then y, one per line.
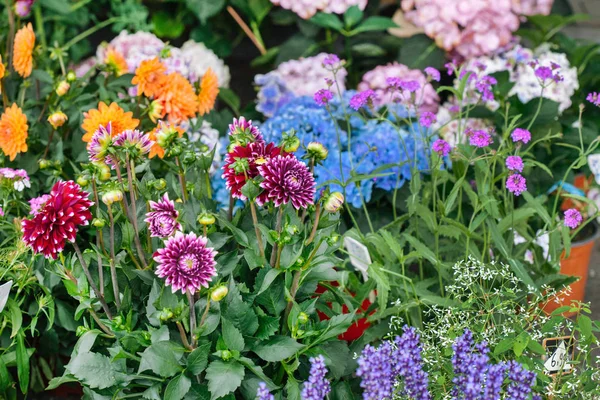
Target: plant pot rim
pixel 592 238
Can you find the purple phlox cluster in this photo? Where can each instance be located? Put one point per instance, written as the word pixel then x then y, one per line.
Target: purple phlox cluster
pixel 132 139
pixel 433 74
pixel 409 365
pixel 470 365
pixel 262 393
pixel 516 184
pixel 375 368
pixel 362 99
pixel 484 87
pixel 441 147
pixel 427 118
pixel 594 98
pixel 521 381
pixel 479 138
pixel 323 96
pixel 521 135
pixel 514 163
pixel 37 203
pixel 18 177
pixel 573 218
pixel 317 387
pixel 162 218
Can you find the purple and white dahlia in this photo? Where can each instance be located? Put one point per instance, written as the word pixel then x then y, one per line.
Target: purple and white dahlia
pixel 162 219
pixel 134 140
pixel 185 262
pixel 286 179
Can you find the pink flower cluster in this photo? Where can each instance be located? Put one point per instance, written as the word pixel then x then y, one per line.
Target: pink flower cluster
pixel 383 77
pixel 307 8
pixel 305 76
pixel 18 178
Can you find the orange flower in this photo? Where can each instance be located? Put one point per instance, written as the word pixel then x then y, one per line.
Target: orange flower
pixel 115 61
pixel 209 89
pixel 178 98
pixel 2 69
pixel 23 50
pixel 150 77
pixel 120 120
pixel 13 132
pixel 162 129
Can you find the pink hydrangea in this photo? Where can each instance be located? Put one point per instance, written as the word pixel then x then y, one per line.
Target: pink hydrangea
pixel 532 7
pixel 468 27
pixel 307 8
pixel 377 80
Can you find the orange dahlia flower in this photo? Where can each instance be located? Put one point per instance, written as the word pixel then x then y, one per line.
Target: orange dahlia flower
pixel 150 77
pixel 23 50
pixel 178 98
pixel 120 120
pixel 2 69
pixel 116 62
pixel 13 132
pixel 209 89
pixel 163 129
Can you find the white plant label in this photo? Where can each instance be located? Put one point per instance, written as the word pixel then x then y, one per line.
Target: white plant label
pixel 594 164
pixel 359 255
pixel 4 292
pixel 559 360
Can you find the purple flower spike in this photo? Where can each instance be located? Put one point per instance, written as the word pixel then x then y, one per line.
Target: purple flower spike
pixel 162 219
pixel 262 393
pixel 286 179
pixel 409 365
pixel 317 387
pixel 516 184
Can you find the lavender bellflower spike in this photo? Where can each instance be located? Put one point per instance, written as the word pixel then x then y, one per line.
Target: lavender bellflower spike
pixel 317 387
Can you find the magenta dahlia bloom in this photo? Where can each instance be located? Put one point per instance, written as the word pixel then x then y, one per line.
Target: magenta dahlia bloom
pixel 58 220
pixel 516 184
pixel 134 140
pixel 521 135
pixel 37 203
pixel 98 147
pixel 479 138
pixel 186 263
pixel 162 219
pixel 286 179
pixel 241 127
pixel 441 147
pixel 254 154
pixel 514 163
pixel 573 218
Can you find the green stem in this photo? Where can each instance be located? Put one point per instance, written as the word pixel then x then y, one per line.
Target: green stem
pixel 90 31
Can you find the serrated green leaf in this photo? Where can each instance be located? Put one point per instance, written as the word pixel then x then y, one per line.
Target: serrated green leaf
pixel 93 369
pixel 224 377
pixel 160 358
pixel 232 336
pixel 277 348
pixel 178 387
pixel 198 359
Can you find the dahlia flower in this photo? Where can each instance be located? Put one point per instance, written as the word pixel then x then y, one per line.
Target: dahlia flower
pixel 58 220
pixel 17 177
pixel 162 219
pixel 119 120
pixel 243 131
pixel 149 77
pixel 178 98
pixel 377 80
pixel 98 147
pixel 186 263
pixel 57 119
pixel 13 131
pixel 209 90
pixel 23 50
pixel 286 179
pixel 134 140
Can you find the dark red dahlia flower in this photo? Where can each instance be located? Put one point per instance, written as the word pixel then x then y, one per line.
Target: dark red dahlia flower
pixel 58 220
pixel 242 164
pixel 286 179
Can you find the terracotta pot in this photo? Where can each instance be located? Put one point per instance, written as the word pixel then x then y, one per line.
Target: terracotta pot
pixel 577 265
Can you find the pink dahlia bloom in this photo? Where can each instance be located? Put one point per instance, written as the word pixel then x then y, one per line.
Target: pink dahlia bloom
pixel 98 147
pixel 134 140
pixel 286 179
pixel 162 219
pixel 243 128
pixel 389 92
pixel 307 8
pixel 255 154
pixel 469 27
pixel 186 263
pixel 58 220
pixel 305 76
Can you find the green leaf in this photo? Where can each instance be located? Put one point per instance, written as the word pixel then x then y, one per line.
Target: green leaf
pixel 269 278
pixel 198 359
pixel 232 336
pixel 178 387
pixel 230 98
pixel 277 348
pixel 224 377
pixel 352 16
pixel 423 250
pixel 585 326
pixel 292 388
pixel 22 362
pixel 503 346
pixel 205 9
pixel 160 358
pixel 327 21
pixel 374 24
pixel 166 25
pixel 16 318
pixel 267 325
pixel 519 215
pixel 93 369
pixel 521 343
pixel 536 203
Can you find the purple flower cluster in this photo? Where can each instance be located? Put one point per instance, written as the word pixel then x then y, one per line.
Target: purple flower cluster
pixel 375 368
pixel 470 364
pixel 521 381
pixel 516 184
pixel 573 218
pixel 317 387
pixel 409 365
pixel 441 147
pixel 433 74
pixel 514 163
pixel 521 135
pixel 262 393
pixel 546 74
pixel 427 118
pixel 594 98
pixel 323 97
pixel 479 138
pixel 484 87
pixel 362 99
pixel 37 203
pixel 17 177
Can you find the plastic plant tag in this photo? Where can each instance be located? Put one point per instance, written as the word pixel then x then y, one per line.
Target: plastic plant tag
pixel 594 164
pixel 560 351
pixel 4 292
pixel 359 255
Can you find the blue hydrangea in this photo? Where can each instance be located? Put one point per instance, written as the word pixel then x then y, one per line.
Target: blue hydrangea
pixel 273 93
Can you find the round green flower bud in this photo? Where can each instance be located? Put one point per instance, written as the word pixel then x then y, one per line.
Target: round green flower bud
pixel 160 184
pixel 226 355
pixel 103 172
pixel 219 293
pixel 44 164
pixel 303 318
pixel 334 202
pixel 165 315
pixel 175 150
pixel 291 144
pixel 112 196
pixel 99 222
pixel 82 181
pixel 81 330
pixel 317 151
pixel 71 76
pixel 189 157
pixel 333 239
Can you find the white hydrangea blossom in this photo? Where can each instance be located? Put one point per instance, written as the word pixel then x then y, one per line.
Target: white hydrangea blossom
pixel 200 58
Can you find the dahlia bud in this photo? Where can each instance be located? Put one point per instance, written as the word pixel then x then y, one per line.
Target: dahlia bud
pixel 333 239
pixel 189 158
pixel 206 219
pixel 82 181
pixel 44 164
pixel 226 355
pixel 62 88
pixel 334 202
pixel 165 135
pixel 316 151
pixel 81 330
pixel 165 315
pixel 71 76
pixel 160 184
pixel 112 196
pixel 99 222
pixel 103 171
pixel 303 318
pixel 155 111
pixel 219 293
pixel 291 144
pixel 57 119
pixel 174 151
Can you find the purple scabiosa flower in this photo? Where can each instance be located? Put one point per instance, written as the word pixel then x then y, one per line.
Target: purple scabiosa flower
pixel 427 118
pixel 376 372
pixel 98 147
pixel 37 203
pixel 433 74
pixel 393 82
pixel 521 381
pixel 521 135
pixel 243 130
pixel 514 163
pixel 573 218
pixel 262 393
pixel 323 96
pixel 331 60
pixel 594 98
pixel 479 138
pixel 441 147
pixel 411 86
pixel 516 184
pixel 185 262
pixel 362 99
pixel 409 366
pixel 286 179
pixel 317 387
pixel 134 140
pixel 162 218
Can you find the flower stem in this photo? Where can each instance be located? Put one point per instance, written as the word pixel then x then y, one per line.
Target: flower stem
pixel 99 239
pixel 230 210
pixel 113 269
pixel 247 30
pixel 278 229
pixel 90 31
pixel 256 230
pixel 86 270
pixel 315 225
pixel 192 303
pixel 133 213
pixel 183 336
pixel 206 310
pixel 48 145
pixel 293 291
pixel 181 174
pixel 11 33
